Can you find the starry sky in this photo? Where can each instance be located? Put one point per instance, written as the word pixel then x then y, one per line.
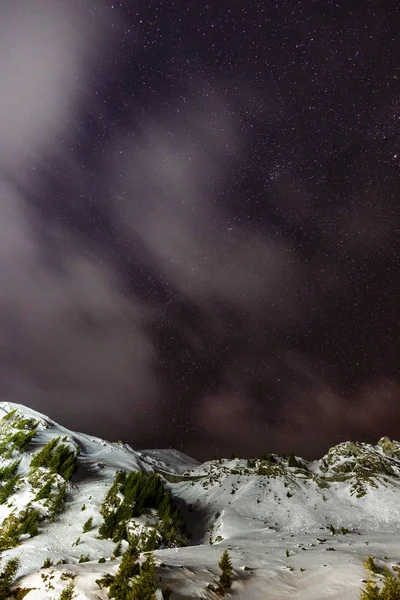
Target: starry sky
pixel 199 220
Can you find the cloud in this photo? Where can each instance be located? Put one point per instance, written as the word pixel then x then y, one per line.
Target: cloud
pixel 73 342
pixel 172 174
pixel 46 54
pixel 74 336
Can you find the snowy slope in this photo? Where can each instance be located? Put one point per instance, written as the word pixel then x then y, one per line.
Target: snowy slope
pixel 298 531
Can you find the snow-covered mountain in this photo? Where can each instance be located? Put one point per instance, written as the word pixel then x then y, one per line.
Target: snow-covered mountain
pixel 71 504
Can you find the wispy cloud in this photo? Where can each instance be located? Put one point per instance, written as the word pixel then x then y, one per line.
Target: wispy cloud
pixel 71 339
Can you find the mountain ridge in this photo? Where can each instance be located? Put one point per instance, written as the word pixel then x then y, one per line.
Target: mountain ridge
pixel 284 504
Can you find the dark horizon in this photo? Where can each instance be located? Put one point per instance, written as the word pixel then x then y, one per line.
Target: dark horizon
pixel 199 221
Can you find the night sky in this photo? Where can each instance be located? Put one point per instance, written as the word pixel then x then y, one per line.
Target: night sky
pixel 199 220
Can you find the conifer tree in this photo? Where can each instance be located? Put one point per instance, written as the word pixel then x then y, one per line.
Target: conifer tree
pixel 41 458
pixel 7 576
pixel 371 591
pixel 88 525
pixel 9 471
pixel 225 565
pixel 390 590
pixel 292 462
pixel 144 587
pixel 117 549
pixel 45 491
pixel 29 522
pixel 151 542
pixel 128 568
pixel 8 489
pixel 58 501
pixel 391 586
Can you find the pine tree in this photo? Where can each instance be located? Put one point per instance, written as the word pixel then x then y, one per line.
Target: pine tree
pixel 88 525
pixel 226 567
pixel 7 576
pixel 144 587
pixel 127 569
pixel 371 591
pixel 68 467
pixel 151 542
pixel 45 491
pixel 292 462
pixel 391 586
pixel 41 458
pixel 370 565
pixel 390 589
pixel 9 471
pixel 8 489
pixel 118 549
pixel 29 522
pixel 58 502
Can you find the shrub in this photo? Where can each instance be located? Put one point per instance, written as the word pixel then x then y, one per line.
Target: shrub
pixel 344 530
pixel 370 566
pixel 47 563
pixel 268 458
pixel 84 558
pixel 106 581
pixel 68 592
pixel 65 575
pixel 20 593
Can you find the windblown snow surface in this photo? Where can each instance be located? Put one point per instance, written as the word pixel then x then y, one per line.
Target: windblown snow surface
pixel 273 518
